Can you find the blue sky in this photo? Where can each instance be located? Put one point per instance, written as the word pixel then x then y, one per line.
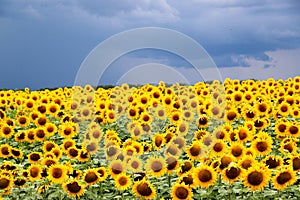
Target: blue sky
pixel 43 43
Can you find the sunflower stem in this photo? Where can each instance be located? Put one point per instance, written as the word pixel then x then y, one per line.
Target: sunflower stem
pixel 100 189
pixel 169 180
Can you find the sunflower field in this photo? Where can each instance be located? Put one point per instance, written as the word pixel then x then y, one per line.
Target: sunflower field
pixel 229 140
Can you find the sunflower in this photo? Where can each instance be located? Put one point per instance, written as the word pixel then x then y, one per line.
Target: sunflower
pixel 237 150
pixel 172 150
pixel 5 150
pixel 175 117
pixel 20 136
pixel 53 108
pixel 231 115
pixel 50 129
pixel 6 183
pixel 273 161
pixel 135 164
pixel 225 160
pixel 72 152
pixel 156 166
pixel 34 157
pixel 218 148
pixel 96 134
pixel 158 141
pixel 293 130
pixel 295 162
pixel 182 128
pixel 68 130
pixel 256 177
pixel 203 121
pixel 288 146
pixel 73 188
pixel 23 121
pixel 143 189
pixel 181 191
pixel 172 164
pixel 281 127
pixel 187 179
pixel 91 147
pixel 57 173
pixel 262 144
pixel 284 109
pixel 102 173
pixel 67 143
pixel 204 176
pixel 199 134
pixel 34 172
pixel 111 151
pixel 41 121
pixel 16 153
pixel 232 173
pixel 116 167
pixel 195 151
pixel 91 176
pixel 57 152
pixel 284 178
pixel 180 142
pixel 243 134
pixel 48 146
pixel 122 181
pixel 6 131
pixel 49 161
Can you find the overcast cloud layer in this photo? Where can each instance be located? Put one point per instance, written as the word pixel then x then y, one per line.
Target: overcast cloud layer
pixel 43 43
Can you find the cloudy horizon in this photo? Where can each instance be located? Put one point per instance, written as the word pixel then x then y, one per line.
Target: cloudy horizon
pixel 43 43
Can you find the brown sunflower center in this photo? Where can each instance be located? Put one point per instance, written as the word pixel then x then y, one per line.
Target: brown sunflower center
pixel 144 190
pixel 5 150
pixel 181 193
pixel 293 130
pixel 232 173
pixel 237 151
pixel 111 151
pixel 73 187
pixel 34 172
pixel 90 177
pixel 57 172
pixel 255 178
pixel 35 157
pixel 123 181
pixel 231 116
pixel 156 166
pixel 296 163
pixel 218 147
pixel 204 175
pixel 283 178
pixel 188 180
pixel 117 169
pixel 272 163
pixel 261 146
pixel 6 130
pixel 195 150
pixel 4 183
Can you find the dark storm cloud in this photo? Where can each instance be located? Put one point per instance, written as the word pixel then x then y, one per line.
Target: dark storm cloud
pixel 44 42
